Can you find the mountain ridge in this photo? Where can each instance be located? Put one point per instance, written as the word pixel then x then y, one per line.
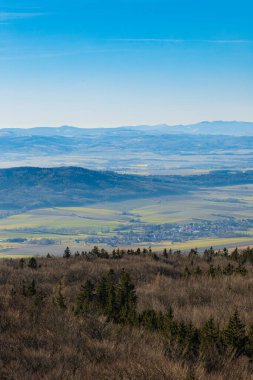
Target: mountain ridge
pixel 231 128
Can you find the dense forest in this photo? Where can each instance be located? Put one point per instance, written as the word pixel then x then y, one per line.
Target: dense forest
pixel 127 314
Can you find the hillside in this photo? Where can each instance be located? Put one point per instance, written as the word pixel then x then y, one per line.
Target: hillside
pixel 134 314
pixel 30 187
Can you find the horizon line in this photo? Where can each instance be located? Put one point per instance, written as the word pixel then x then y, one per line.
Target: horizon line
pixel 132 125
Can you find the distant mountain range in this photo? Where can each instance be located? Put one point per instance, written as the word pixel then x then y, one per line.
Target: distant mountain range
pixel 29 187
pixel 160 149
pixel 230 128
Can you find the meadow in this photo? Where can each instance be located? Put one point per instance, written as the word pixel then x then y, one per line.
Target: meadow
pixel 40 231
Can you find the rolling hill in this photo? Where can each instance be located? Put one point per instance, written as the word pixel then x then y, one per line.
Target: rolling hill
pixel 29 187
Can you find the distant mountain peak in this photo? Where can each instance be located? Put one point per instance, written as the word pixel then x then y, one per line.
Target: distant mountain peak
pixel 232 128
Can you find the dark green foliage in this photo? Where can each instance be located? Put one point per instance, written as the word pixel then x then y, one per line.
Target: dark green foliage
pixel 235 335
pixel 235 254
pixel 187 273
pixel 241 270
pixel 32 263
pixel 208 254
pixel 193 253
pixel 148 319
pixel 117 254
pixel 211 345
pixel 31 289
pixel 125 297
pixel 102 253
pixel 155 257
pixel 86 297
pixel 249 345
pixel 21 263
pixel 212 271
pixel 111 308
pixel 67 253
pixel 229 270
pixel 165 253
pixel 115 299
pixel 102 293
pixel 188 340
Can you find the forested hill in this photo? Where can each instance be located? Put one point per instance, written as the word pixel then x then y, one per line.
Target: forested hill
pixel 29 187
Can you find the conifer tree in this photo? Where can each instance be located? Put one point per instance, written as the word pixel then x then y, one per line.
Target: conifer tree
pixel 234 334
pixel 101 294
pixel 111 309
pixel 126 299
pixel 165 253
pixel 86 297
pixel 21 263
pixel 210 344
pixel 32 263
pixel 31 289
pixel 149 320
pixel 67 253
pixel 229 270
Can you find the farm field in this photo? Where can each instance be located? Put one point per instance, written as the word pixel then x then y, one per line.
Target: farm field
pixel 46 230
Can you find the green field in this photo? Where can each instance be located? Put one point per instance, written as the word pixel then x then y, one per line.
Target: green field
pixel 72 225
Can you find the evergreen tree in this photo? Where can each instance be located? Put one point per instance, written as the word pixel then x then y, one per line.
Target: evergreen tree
pixel 67 253
pixel 32 263
pixel 31 289
pixel 149 320
pixel 209 335
pixel 235 254
pixel 21 263
pixel 186 273
pixel 170 327
pixel 211 346
pixel 234 334
pixel 193 253
pixel 165 253
pixel 86 297
pixel 101 294
pixel 126 299
pixel 229 270
pixel 111 309
pixel 212 271
pixel 188 341
pixel 241 270
pixel 155 257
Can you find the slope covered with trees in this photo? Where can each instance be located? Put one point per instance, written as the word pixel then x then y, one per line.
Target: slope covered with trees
pixel 129 314
pixel 31 187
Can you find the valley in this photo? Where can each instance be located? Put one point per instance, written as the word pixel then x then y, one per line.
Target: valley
pixel 209 217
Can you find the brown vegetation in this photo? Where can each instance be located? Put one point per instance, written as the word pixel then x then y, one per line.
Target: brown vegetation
pixel 43 337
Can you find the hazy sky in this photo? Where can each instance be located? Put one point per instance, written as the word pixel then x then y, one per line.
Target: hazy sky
pixel 96 63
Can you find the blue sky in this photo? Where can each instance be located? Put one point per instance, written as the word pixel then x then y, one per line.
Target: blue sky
pixel 97 63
